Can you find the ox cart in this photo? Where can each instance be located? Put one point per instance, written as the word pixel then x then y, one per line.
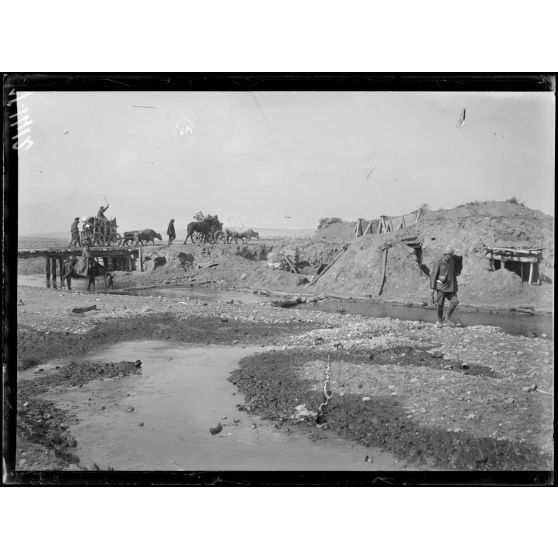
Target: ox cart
pixel 100 232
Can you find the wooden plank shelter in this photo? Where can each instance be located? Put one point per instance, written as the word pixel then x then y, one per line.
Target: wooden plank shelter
pixel 531 256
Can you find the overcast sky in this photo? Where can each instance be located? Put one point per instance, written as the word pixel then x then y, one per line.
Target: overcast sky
pixel 284 159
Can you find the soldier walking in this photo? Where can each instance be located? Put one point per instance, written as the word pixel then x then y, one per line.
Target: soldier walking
pixel 443 282
pixel 74 231
pixel 171 232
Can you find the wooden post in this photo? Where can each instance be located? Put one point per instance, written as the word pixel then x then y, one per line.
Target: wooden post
pixel 53 266
pixel 522 272
pixel 61 261
pixel 368 228
pixel 47 268
pixel 531 270
pixel 141 258
pixel 358 229
pixel 383 280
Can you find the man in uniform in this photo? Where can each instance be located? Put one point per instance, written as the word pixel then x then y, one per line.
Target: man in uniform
pixel 101 212
pixel 171 232
pixel 443 282
pixel 74 230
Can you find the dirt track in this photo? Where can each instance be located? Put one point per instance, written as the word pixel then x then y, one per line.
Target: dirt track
pixel 462 405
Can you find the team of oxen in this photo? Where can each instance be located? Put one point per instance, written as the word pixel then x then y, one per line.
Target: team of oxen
pixel 210 229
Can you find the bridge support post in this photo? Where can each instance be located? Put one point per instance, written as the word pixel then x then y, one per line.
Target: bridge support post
pixel 61 263
pixel 53 266
pixel 47 268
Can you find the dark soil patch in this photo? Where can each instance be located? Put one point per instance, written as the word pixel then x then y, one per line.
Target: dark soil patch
pixel 42 428
pixel 273 387
pixel 409 356
pixel 34 347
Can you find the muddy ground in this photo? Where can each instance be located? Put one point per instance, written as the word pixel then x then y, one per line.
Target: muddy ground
pixel 453 398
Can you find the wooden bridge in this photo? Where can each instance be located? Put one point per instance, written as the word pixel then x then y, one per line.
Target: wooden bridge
pixel 113 259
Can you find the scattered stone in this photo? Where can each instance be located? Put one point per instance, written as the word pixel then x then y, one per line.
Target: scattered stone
pixel 223 418
pixel 366 398
pixel 103 408
pixel 465 366
pixel 137 364
pixel 80 310
pixel 437 354
pixel 224 319
pixel 368 459
pixel 26 404
pixel 130 409
pixel 216 428
pixel 140 423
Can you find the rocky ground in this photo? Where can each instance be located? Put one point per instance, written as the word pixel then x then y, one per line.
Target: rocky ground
pixel 462 398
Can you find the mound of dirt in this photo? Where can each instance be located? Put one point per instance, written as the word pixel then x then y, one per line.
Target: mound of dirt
pixel 469 228
pixel 359 271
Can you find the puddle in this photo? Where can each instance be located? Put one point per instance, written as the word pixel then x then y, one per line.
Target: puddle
pixel 78 284
pixel 183 391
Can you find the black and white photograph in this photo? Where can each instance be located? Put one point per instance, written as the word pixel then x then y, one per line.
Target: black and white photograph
pixel 280 274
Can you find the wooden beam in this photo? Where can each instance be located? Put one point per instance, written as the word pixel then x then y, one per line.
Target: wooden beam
pixel 525 259
pixel 368 228
pixel 338 255
pixel 47 268
pixel 290 264
pixel 383 280
pixel 53 266
pixel 531 272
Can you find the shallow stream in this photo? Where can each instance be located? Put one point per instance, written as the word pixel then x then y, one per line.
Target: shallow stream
pixel 511 322
pixel 182 391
